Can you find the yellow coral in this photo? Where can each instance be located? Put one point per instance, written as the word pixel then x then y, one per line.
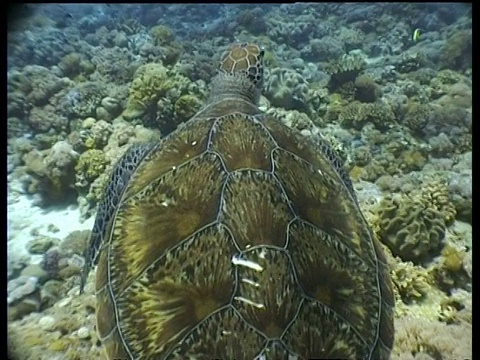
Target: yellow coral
pixel 453 257
pixel 59 345
pixel 412 282
pixel 151 83
pixel 356 172
pixel 91 164
pixel 435 193
pixel 413 160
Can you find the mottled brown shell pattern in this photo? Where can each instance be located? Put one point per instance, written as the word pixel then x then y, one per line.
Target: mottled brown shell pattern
pixel 236 238
pixel 236 246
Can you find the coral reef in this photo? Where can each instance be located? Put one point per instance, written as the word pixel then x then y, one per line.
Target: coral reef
pixel 23 296
pixel 83 99
pixel 50 262
pixel 417 115
pixel 345 69
pixel 397 112
pixel 325 49
pixel 74 64
pixel 186 106
pixel 460 187
pixel 52 172
pixel 253 21
pixel 358 114
pixel 457 52
pixel 408 62
pixel 417 338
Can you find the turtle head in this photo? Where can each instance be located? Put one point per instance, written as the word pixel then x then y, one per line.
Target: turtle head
pixel 240 72
pixel 244 60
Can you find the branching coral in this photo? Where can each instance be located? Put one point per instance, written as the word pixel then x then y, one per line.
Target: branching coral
pixel 411 281
pixel 186 106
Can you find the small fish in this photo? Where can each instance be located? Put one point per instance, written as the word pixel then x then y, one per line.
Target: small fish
pixel 416 35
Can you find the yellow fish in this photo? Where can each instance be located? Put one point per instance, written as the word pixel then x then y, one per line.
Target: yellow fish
pixel 416 35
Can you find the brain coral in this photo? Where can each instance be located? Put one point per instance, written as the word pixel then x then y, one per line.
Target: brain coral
pixel 410 228
pixel 413 225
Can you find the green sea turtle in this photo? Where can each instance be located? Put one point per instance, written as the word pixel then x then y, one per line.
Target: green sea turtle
pixel 236 237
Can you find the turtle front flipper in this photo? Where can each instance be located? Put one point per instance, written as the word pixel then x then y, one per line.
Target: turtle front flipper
pixel 117 185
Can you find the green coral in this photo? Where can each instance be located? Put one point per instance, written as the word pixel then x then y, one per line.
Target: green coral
pixel 410 229
pixel 73 65
pixel 412 160
pixel 70 64
pixel 162 35
pixel 151 83
pixel 91 164
pixel 186 106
